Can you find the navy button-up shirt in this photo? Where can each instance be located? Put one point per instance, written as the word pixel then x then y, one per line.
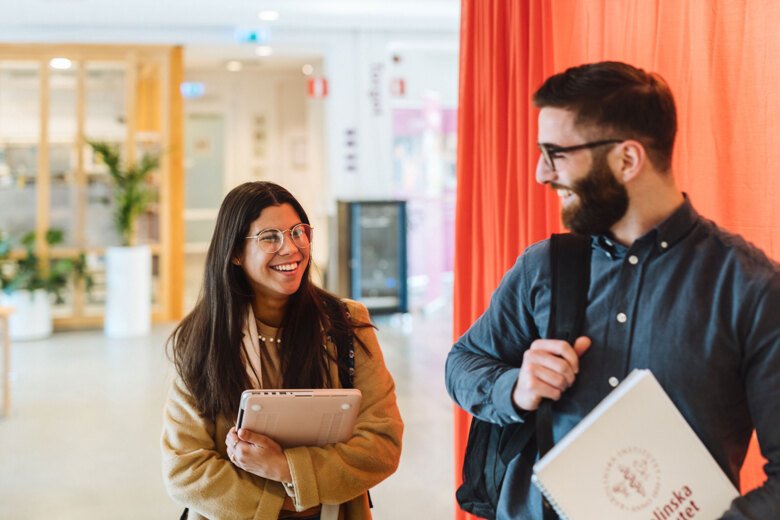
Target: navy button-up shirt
pixel 696 305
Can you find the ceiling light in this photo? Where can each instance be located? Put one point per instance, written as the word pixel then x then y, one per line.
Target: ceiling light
pixel 264 50
pixel 268 16
pixel 234 66
pixel 60 63
pixel 307 70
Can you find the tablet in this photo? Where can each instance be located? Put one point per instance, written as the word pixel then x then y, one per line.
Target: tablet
pixel 311 417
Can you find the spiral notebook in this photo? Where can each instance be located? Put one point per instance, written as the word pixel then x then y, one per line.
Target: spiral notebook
pixel 633 457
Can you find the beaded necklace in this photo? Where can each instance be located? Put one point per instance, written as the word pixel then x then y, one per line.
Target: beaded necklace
pixel 264 338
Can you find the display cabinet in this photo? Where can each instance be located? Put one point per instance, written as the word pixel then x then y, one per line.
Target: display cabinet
pixel 372 256
pixel 52 100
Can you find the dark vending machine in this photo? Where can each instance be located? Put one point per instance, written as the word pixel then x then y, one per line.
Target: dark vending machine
pixel 372 264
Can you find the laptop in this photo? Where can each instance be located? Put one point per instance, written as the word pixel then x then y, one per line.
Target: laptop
pixel 306 417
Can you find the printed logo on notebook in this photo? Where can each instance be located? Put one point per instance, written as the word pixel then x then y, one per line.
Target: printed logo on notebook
pixel 632 479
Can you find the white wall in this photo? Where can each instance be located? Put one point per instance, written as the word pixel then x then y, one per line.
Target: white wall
pixel 289 151
pixel 358 66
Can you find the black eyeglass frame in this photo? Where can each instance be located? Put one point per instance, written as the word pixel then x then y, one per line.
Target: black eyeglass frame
pixel 548 149
pixel 309 237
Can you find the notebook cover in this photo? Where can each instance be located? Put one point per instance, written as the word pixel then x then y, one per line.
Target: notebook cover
pixel 634 457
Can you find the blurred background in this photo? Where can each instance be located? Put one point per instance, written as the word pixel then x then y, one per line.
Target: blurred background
pixel 351 105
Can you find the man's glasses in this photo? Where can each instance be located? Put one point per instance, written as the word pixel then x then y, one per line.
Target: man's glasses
pixel 272 240
pixel 550 151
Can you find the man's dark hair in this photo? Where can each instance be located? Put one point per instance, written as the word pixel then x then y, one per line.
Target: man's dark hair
pixel 617 100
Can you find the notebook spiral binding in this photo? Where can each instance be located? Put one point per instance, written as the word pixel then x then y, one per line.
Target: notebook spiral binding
pixel 558 509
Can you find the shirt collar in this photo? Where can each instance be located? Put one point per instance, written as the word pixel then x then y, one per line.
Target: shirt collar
pixel 665 235
pixel 676 226
pixel 609 246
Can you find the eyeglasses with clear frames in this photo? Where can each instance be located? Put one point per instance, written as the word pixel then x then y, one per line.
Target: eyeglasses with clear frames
pixel 550 151
pixel 271 240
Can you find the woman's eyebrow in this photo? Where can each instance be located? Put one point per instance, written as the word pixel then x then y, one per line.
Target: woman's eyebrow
pixel 276 229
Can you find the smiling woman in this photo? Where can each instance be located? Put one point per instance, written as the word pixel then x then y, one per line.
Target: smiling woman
pixel 274 266
pixel 260 322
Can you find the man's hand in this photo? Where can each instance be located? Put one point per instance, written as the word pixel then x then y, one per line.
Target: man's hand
pixel 549 368
pixel 257 454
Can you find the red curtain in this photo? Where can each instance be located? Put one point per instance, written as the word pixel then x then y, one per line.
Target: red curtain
pixel 722 60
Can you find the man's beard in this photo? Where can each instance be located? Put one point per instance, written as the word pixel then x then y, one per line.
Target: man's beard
pixel 602 201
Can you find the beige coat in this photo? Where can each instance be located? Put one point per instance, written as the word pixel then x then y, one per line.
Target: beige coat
pixel 198 474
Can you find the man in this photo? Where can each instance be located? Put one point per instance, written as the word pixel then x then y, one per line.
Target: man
pixel 669 291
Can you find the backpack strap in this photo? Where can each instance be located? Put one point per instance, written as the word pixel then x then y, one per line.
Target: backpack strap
pixel 344 339
pixel 570 280
pixel 491 447
pixel 570 264
pixel 342 335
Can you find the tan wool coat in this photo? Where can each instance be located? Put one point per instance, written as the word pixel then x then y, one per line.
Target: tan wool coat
pixel 199 475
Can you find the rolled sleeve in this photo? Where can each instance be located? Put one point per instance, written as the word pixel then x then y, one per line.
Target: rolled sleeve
pixel 483 365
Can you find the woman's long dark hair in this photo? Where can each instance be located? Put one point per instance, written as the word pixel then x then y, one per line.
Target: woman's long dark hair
pixel 207 344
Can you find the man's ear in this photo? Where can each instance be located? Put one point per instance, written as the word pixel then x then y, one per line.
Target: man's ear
pixel 629 160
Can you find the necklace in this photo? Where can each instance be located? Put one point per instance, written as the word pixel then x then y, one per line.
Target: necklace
pixel 262 337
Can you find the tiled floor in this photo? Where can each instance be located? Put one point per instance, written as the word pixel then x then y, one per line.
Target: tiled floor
pixel 82 439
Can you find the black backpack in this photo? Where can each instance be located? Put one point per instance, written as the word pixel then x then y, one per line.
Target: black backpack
pixel 491 447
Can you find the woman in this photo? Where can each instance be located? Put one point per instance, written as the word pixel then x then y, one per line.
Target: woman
pixel 260 322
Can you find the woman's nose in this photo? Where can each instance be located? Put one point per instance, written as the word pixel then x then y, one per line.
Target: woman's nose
pixel 288 246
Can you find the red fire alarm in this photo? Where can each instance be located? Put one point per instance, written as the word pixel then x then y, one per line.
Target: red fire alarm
pixel 318 87
pixel 398 87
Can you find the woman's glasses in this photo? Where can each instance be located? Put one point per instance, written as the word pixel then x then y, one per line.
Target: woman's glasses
pixel 272 240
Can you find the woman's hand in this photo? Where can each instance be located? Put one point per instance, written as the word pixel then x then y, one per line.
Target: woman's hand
pixel 257 454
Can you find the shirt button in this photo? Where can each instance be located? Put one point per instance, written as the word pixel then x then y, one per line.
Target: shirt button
pixel 613 381
pixel 633 260
pixel 664 244
pixel 621 317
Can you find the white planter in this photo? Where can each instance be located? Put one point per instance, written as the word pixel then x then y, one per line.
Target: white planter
pixel 128 291
pixel 32 317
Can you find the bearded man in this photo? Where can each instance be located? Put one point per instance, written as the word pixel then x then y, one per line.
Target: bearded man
pixel 669 291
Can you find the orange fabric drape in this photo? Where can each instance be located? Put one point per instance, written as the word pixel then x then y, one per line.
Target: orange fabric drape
pixel 722 60
pixel 500 208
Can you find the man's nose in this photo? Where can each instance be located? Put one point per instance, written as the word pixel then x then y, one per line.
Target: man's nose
pixel 544 174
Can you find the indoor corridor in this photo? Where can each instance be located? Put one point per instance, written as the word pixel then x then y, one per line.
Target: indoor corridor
pixel 82 438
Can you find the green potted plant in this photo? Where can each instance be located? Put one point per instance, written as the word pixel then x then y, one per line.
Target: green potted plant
pixel 29 286
pixel 131 192
pixel 128 267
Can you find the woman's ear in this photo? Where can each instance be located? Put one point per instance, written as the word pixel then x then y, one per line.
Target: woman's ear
pixel 236 260
pixel 629 160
